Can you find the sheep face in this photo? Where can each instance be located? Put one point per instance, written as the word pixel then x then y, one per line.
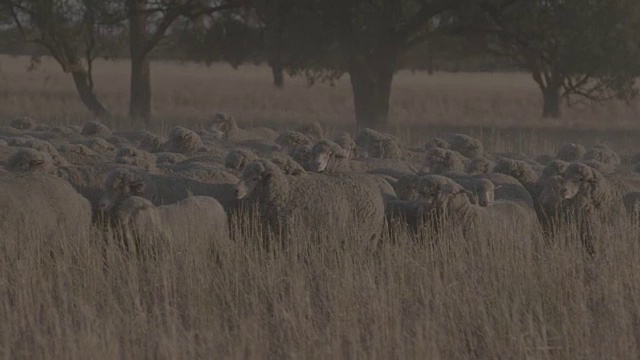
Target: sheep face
pixel 253 175
pixel 120 185
pixel 323 152
pixel 406 188
pixel 576 177
pixel 486 193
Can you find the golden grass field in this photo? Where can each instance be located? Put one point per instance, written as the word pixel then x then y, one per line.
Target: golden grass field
pixel 500 296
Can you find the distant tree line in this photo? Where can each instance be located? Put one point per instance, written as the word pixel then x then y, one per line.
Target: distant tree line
pixel 574 49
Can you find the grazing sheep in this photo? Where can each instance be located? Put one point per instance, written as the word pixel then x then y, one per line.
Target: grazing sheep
pixel 237 159
pixel 287 164
pixel 79 154
pixel 379 145
pixel 152 143
pixel 40 145
pixel 167 158
pixel 129 155
pixel 23 123
pixel 290 140
pixel 440 161
pixel 184 141
pixel 571 152
pixel 479 165
pixel 226 124
pixel 466 145
pixel 348 144
pixel 142 225
pixel 49 205
pixel 436 143
pixel 314 131
pixel 315 203
pixel 164 189
pixel 603 154
pixel 95 128
pixel 519 169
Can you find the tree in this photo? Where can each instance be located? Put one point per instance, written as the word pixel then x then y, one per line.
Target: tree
pixel 70 31
pixel 149 21
pixel 370 37
pixel 574 49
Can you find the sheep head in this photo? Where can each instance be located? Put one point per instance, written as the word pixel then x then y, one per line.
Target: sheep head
pixel 183 140
pixel 289 140
pixel 237 159
pixel 323 152
pixel 223 123
pixel 577 177
pixel 438 193
pixel 486 192
pixel 255 175
pixel 31 160
pixel 120 185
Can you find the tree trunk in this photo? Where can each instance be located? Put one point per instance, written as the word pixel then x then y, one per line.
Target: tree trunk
pixel 140 91
pixel 371 85
pixel 87 96
pixel 278 73
pixel 551 102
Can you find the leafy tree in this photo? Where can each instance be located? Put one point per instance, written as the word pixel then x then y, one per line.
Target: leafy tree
pixel 71 32
pixel 574 49
pixel 368 38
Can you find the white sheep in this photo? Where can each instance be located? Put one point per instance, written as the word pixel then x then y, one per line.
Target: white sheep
pixel 519 169
pixel 440 161
pixel 603 154
pixel 314 203
pixel 40 145
pixel 469 147
pixel 347 142
pixel 184 141
pixel 226 124
pixel 379 145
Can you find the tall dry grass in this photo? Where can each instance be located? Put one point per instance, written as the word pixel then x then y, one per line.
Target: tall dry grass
pixel 500 294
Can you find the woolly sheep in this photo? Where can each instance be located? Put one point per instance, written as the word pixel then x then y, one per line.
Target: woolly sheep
pixel 348 144
pixel 131 156
pixel 316 203
pixel 152 143
pixel 162 189
pixel 49 205
pixel 23 123
pixel 287 164
pixel 519 169
pixel 325 155
pixel 379 145
pixel 79 154
pixel 466 145
pixel 184 141
pixel 443 160
pixel 509 188
pixel 290 139
pixel 479 165
pixel 571 152
pixel 313 130
pixel 581 180
pixel 436 143
pixel 101 146
pixel 31 160
pixel 544 159
pixel 237 159
pixel 554 168
pixel 226 124
pixel 95 128
pixel 142 225
pixel 40 145
pixel 167 158
pixel 481 190
pixel 603 154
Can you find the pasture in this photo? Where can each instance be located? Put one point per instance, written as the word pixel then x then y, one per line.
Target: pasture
pixel 498 294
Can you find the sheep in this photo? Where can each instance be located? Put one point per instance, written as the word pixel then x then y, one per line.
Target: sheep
pixel 142 225
pixel 443 160
pixel 182 140
pixel 603 168
pixel 95 128
pixel 287 164
pixel 571 152
pixel 379 145
pixel 466 145
pixel 313 130
pixel 509 188
pixel 152 143
pixel 226 124
pixel 23 123
pixel 205 173
pixel 40 145
pixel 164 189
pixel 31 160
pixel 436 143
pixel 131 156
pixel 317 203
pixel 167 158
pixel 480 190
pixel 326 155
pixel 519 169
pixel 603 154
pixel 101 146
pixel 47 205
pixel 554 168
pixel 237 159
pixel 479 165
pixel 348 144
pixel 581 180
pixel 289 140
pixel 79 154
pixel 445 201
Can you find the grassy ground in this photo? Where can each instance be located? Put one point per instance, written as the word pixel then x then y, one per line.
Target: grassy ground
pixel 501 294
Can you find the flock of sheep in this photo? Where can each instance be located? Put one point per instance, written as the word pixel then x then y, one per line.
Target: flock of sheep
pixel 140 187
